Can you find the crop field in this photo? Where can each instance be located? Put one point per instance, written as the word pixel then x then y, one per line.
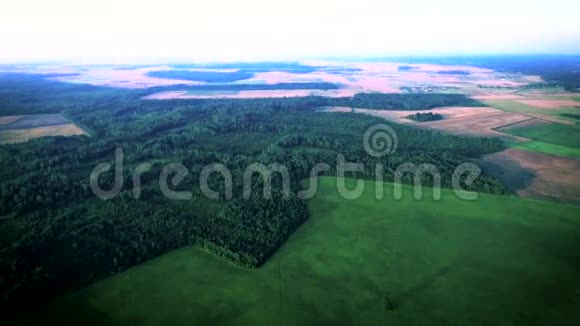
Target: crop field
pixel 550 104
pixel 16 129
pixel 9 119
pixel 551 149
pixel 37 120
pixel 552 133
pixel 471 121
pixel 553 114
pixel 22 135
pixel 496 260
pixel 536 174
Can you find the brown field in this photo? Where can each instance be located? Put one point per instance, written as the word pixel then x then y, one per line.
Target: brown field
pixel 550 104
pixel 22 135
pixel 17 129
pixel 536 175
pixel 9 119
pixel 479 125
pixel 471 121
pixel 560 94
pixel 497 97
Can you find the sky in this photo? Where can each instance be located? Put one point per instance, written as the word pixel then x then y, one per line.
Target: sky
pixel 227 30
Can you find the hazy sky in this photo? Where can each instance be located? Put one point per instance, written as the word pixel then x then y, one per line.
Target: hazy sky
pixel 270 29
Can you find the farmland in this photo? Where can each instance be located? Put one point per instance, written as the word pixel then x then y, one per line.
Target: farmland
pixel 16 129
pixel 551 149
pixel 520 131
pixel 553 133
pixel 353 77
pixel 497 260
pixel 532 173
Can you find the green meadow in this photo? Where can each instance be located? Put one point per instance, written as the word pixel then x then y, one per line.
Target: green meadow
pixel 551 149
pixel 494 260
pixel 554 133
pixel 517 107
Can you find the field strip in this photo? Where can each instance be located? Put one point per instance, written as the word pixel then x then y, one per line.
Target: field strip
pixel 9 119
pixel 22 135
pixel 513 123
pixel 550 118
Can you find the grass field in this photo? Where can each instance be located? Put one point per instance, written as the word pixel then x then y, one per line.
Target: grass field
pixel 513 106
pixel 22 135
pixel 517 107
pixel 551 149
pixel 556 134
pixel 497 260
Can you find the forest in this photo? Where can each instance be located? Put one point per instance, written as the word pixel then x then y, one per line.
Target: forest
pixel 57 235
pixel 254 67
pixel 247 87
pixel 201 76
pixel 425 116
pixel 454 72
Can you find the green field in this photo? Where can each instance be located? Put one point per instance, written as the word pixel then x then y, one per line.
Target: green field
pixel 496 260
pixel 555 133
pixel 541 147
pixel 517 107
pixel 513 106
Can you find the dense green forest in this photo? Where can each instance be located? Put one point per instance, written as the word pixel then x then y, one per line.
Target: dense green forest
pixel 247 87
pixel 405 68
pixel 56 234
pixel 454 72
pixel 290 67
pixel 416 101
pixel 202 76
pixel 571 115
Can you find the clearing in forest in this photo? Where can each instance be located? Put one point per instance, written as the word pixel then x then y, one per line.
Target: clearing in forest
pixel 17 129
